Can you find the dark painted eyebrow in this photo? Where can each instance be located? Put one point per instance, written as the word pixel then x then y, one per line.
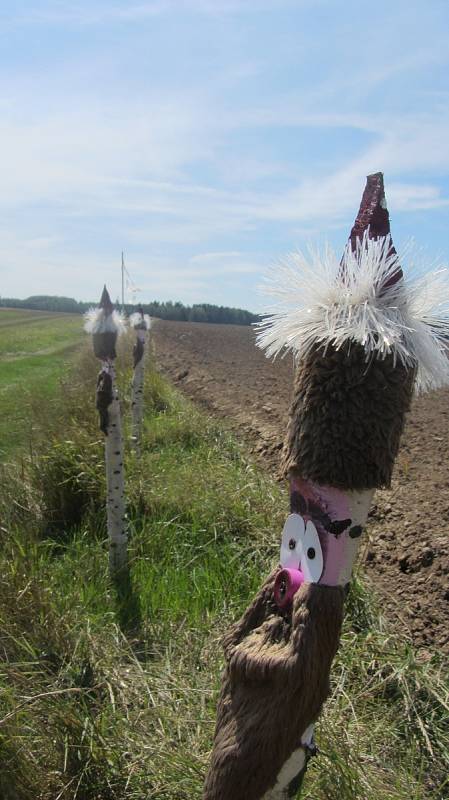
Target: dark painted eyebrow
pixel 337 526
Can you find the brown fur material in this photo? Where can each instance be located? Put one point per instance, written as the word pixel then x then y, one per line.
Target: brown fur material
pixel 138 351
pixel 274 685
pixel 104 345
pixel 346 418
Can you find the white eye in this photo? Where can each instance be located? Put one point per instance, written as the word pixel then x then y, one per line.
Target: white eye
pixel 312 555
pixel 292 542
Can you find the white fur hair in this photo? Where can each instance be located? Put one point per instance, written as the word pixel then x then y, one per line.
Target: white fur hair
pixel 136 320
pixel 322 300
pixel 97 321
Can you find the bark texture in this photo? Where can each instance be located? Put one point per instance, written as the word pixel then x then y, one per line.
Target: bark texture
pixel 104 399
pixel 115 490
pixel 274 685
pixel 290 778
pixel 346 418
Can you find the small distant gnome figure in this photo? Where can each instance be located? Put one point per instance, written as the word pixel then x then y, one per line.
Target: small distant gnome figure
pixel 363 336
pixel 105 324
pixel 141 324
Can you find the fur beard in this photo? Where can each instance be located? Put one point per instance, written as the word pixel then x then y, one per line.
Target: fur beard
pixel 96 320
pixel 274 685
pixel 140 321
pixel 323 301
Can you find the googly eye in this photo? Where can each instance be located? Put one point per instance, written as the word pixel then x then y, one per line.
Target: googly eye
pixel 292 542
pixel 312 555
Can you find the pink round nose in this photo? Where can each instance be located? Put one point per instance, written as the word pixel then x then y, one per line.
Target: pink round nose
pixel 286 585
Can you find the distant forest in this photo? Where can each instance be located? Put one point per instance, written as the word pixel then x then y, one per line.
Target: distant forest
pixel 200 312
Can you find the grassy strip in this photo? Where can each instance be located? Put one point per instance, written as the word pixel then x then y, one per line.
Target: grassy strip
pixel 16 316
pixel 91 708
pixel 35 351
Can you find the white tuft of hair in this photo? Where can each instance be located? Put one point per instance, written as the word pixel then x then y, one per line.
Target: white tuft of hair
pixel 322 300
pixel 137 320
pixel 97 321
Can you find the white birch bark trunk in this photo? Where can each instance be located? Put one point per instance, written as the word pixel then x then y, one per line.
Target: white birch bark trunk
pixel 289 780
pixel 137 395
pixel 115 488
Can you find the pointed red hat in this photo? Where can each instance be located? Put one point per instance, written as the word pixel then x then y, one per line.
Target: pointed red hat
pixel 106 302
pixel 373 217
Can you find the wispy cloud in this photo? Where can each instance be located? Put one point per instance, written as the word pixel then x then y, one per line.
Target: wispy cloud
pixel 97 12
pixel 197 148
pixel 227 263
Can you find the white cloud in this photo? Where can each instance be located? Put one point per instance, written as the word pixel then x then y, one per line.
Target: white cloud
pixel 86 13
pixel 226 263
pixel 38 266
pixel 157 163
pixel 414 197
pixel 90 160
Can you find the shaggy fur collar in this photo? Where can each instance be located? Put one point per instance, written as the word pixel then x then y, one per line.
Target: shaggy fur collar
pixel 325 301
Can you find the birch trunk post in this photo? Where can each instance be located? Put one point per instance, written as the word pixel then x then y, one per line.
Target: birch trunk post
pixel 106 325
pixel 363 337
pixel 141 324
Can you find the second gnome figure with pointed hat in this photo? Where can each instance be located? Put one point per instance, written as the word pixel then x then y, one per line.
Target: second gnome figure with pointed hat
pixel 106 324
pixel 362 338
pixel 141 324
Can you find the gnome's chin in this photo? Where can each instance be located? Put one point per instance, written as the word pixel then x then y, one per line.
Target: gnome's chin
pixel 276 680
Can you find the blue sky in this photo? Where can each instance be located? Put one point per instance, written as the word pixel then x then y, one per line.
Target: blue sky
pixel 207 138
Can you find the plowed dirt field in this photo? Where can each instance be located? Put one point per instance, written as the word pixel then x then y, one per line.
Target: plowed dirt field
pixel 407 552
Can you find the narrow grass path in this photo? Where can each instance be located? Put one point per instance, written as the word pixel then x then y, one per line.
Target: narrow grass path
pixel 36 350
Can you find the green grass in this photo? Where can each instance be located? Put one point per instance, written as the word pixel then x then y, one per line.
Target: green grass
pixel 36 349
pixel 11 316
pixel 96 704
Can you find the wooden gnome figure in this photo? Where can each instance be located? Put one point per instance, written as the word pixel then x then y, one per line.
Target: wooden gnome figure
pixel 141 324
pixel 363 336
pixel 105 324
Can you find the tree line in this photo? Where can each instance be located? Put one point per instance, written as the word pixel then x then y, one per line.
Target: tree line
pixel 199 312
